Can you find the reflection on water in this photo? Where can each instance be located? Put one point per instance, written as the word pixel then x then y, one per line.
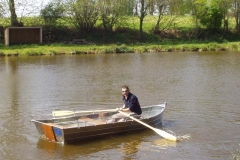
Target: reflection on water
pixel 201 88
pixel 164 144
pixel 49 146
pixel 128 145
pixel 158 145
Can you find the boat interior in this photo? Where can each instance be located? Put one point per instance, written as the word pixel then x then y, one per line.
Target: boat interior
pixel 79 119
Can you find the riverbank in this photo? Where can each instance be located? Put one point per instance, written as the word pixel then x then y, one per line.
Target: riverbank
pixel 58 49
pixel 183 36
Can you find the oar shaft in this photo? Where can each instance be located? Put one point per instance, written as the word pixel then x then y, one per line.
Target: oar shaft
pixel 158 131
pixel 66 112
pixel 137 120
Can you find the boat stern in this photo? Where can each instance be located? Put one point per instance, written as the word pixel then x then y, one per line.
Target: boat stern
pixel 50 132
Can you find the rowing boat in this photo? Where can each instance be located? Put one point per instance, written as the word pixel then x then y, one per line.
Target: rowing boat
pixel 72 126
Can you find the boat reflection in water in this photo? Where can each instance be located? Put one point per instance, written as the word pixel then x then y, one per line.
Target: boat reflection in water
pixel 125 145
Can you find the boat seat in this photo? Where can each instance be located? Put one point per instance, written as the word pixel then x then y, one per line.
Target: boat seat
pixel 93 121
pixel 122 119
pixel 135 116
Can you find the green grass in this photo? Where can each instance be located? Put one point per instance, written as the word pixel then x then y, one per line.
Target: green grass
pixel 57 49
pixel 124 38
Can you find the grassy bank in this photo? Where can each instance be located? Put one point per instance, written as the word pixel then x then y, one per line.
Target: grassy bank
pixel 57 49
pixel 124 38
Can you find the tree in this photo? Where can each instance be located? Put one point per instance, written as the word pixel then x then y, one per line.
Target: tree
pixel 144 4
pixel 236 12
pixel 1 10
pixel 171 8
pixel 210 15
pixel 14 20
pixel 15 10
pixel 226 6
pixel 161 6
pixel 52 12
pixel 83 14
pixel 151 7
pixel 110 11
pixel 128 7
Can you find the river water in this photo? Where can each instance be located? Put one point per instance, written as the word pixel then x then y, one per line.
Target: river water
pixel 202 90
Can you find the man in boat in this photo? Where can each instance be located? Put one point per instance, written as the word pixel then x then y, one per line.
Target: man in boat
pixel 131 106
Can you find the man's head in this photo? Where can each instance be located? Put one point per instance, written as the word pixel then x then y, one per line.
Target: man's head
pixel 125 90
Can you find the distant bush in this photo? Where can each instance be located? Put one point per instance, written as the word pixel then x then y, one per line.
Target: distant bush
pixel 211 18
pixel 51 13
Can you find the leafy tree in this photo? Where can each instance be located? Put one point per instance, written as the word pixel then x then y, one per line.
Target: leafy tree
pixel 127 6
pixel 161 7
pixel 171 8
pixel 52 12
pixel 110 11
pixel 236 13
pixel 210 15
pixel 144 4
pixel 83 14
pixel 226 6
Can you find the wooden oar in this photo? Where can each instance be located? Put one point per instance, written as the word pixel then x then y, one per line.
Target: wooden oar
pixel 158 131
pixel 69 113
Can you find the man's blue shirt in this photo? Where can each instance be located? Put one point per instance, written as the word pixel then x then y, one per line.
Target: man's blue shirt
pixel 132 103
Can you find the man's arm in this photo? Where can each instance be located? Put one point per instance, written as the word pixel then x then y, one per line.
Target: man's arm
pixel 124 109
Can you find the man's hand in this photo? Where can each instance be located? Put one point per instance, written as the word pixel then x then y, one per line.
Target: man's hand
pixel 118 109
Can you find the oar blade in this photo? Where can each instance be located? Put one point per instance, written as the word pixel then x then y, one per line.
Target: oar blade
pixel 62 113
pixel 165 135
